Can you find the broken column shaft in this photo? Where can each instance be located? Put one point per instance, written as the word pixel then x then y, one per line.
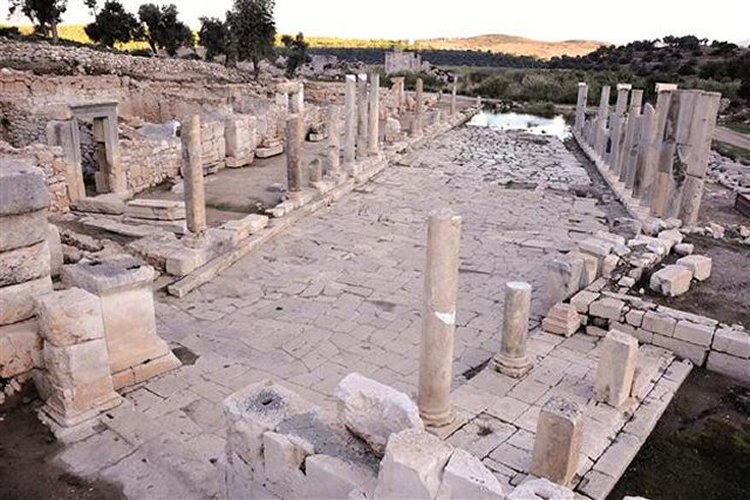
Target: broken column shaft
pixel 362 119
pixel 373 129
pixel 333 165
pixel 416 128
pixel 293 147
pixel 192 164
pixel 439 318
pixel 581 106
pixel 350 121
pixel 512 359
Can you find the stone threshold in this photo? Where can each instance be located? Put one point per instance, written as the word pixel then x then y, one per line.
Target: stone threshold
pixel 307 206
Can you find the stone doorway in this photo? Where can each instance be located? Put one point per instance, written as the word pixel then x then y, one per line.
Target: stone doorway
pixel 97 126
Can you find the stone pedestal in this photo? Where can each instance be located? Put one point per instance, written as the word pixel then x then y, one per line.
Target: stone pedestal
pixel 192 171
pixel 581 106
pixel 124 285
pixel 614 374
pixel 373 128
pixel 416 127
pixel 557 444
pixel 512 359
pixel 362 116
pixel 75 383
pixel 439 318
pixel 293 151
pixel 350 121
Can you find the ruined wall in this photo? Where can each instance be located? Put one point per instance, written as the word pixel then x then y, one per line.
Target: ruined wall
pixel 20 128
pixel 51 161
pixel 148 163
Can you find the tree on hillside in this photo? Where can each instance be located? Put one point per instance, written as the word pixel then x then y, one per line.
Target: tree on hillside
pixel 113 24
pixel 253 30
pixel 296 53
pixel 216 38
pixel 163 29
pixel 45 14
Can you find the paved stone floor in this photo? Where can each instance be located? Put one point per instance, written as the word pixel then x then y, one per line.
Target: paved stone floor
pixel 340 292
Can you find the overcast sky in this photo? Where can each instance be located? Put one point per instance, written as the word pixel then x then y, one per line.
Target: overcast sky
pixel 553 20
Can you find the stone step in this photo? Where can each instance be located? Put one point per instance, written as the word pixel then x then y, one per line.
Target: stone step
pixel 156 209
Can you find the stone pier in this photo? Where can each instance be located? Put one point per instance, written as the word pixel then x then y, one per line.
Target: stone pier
pixel 373 127
pixel 192 165
pixel 616 368
pixel 439 318
pixel 630 143
pixel 350 122
pixel 333 151
pixel 600 140
pixel 557 444
pixel 293 151
pixel 416 127
pixel 581 106
pixel 512 359
pixel 617 127
pixel 362 116
pixel 397 88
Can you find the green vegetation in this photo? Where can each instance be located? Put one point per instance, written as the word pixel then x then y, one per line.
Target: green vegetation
pixel 113 24
pixel 742 128
pixel 163 29
pixel 45 14
pixel 295 50
pixel 735 153
pixel 253 31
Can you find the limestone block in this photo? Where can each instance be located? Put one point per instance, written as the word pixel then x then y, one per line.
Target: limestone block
pixel 685 350
pixel 541 489
pixel 582 300
pixel 69 317
pixel 562 319
pixel 684 248
pixel 20 348
pixel 110 203
pixel 156 209
pixel 694 333
pixel 609 264
pixel 608 308
pixel 78 381
pixel 55 250
pixel 412 466
pixel 660 323
pixel 618 358
pixel 332 477
pixel 22 189
pixel 17 301
pixel 24 264
pixel 671 281
pixel 563 278
pixel 558 439
pixel 373 411
pixel 22 230
pixel 655 245
pixel 246 226
pixel 699 265
pixel 728 365
pixel 251 412
pixel 268 152
pixel 590 269
pixel 597 247
pixel 671 237
pixel 284 456
pixel 466 478
pixel 732 341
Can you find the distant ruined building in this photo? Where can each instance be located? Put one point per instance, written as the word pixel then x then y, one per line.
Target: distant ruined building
pixel 399 61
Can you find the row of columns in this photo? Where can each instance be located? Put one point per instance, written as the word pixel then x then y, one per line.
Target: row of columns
pixel 659 154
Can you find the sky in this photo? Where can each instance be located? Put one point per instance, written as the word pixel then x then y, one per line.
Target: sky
pixel 549 20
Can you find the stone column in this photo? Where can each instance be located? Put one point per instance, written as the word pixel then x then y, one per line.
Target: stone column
pixel 350 121
pixel 614 374
pixel 666 153
pixel 581 106
pixel 512 359
pixel 373 129
pixel 439 318
pixel 297 102
pixel 557 444
pixel 333 153
pixel 293 147
pixel 655 140
pixel 600 146
pixel 416 128
pixel 629 147
pixel 192 166
pixel 362 116
pixel 617 127
pixel 645 140
pixel 701 133
pixel 75 383
pixel 454 91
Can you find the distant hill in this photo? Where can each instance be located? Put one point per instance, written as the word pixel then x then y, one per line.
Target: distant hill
pixel 515 45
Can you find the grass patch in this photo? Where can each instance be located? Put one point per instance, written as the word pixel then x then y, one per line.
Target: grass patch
pixel 742 128
pixel 735 153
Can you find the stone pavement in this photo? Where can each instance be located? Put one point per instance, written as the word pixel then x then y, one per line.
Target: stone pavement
pixel 341 292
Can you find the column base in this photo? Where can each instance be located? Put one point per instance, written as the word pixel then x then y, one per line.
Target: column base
pixel 512 367
pixel 437 420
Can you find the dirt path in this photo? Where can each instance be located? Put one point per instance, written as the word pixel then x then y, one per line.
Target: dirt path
pixel 729 136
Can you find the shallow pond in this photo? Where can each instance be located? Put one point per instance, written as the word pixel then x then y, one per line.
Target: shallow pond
pixel 533 124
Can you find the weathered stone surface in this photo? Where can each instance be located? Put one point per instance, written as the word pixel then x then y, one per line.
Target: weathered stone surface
pixel 608 308
pixel 582 300
pixel 283 458
pixel 22 189
pixel 730 366
pixel 55 250
pixel 103 204
pixel 732 341
pixel 22 230
pixel 557 443
pixel 24 264
pixel 562 319
pixel 694 333
pixel 156 209
pixel 69 317
pixel 658 322
pixel 373 411
pixel 538 489
pixel 466 478
pixel 20 348
pixel 17 301
pixel 614 373
pixel 671 281
pixel 412 466
pixel 699 265
pixel 332 477
pixel 671 237
pixel 246 226
pixel 684 248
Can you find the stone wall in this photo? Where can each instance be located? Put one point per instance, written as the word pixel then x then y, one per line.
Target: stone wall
pixel 51 161
pixel 148 162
